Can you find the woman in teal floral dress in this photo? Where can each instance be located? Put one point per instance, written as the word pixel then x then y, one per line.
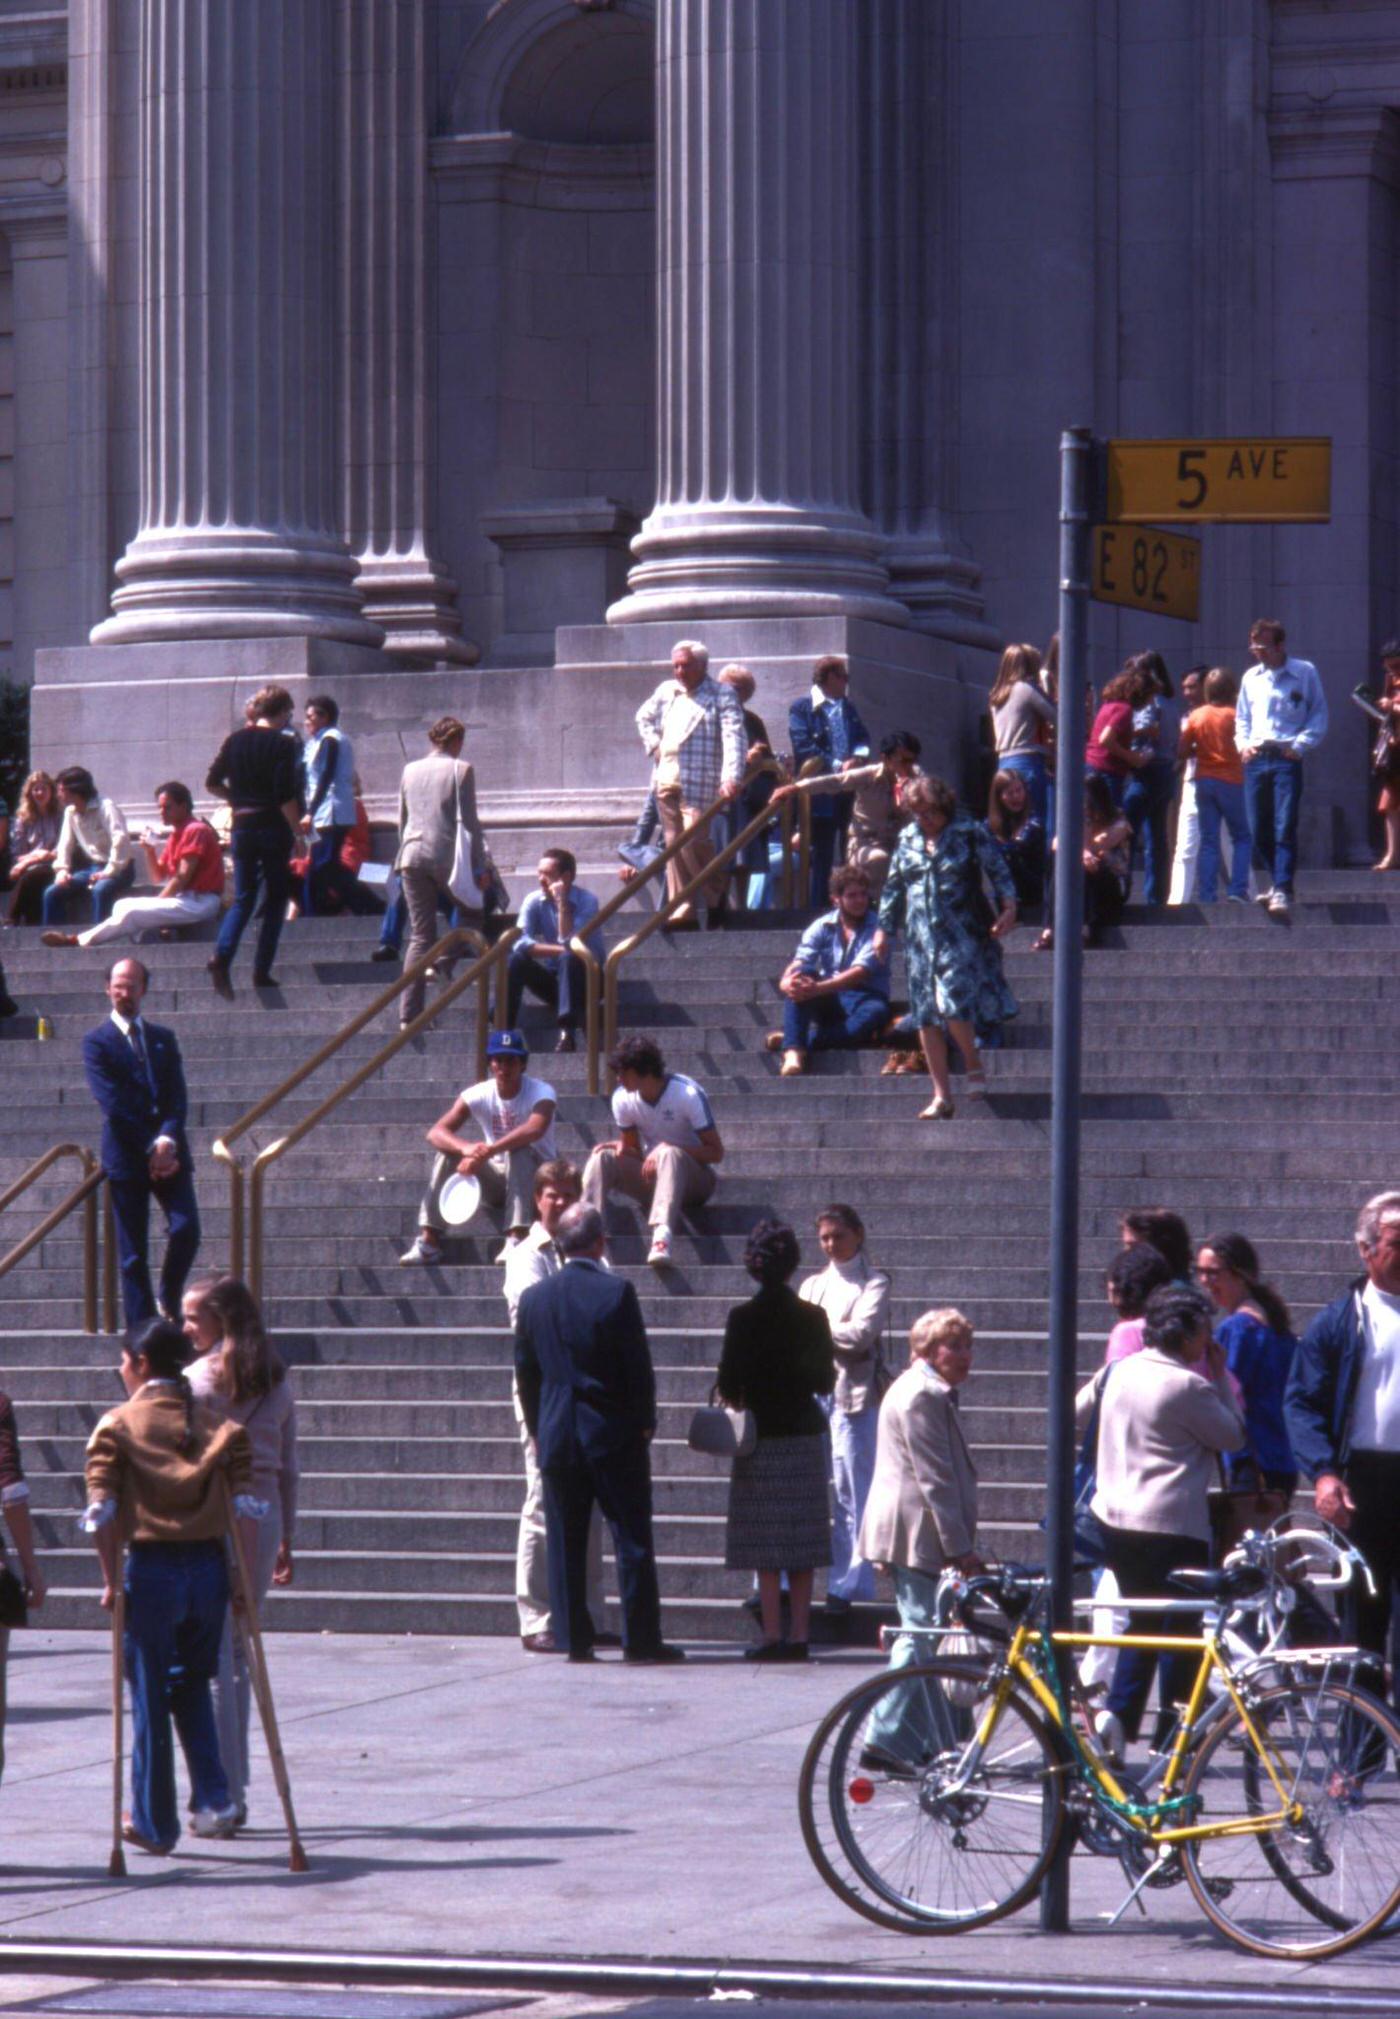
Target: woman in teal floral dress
pixel 936 892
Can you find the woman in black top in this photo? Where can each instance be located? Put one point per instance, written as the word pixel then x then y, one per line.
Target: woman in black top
pixel 777 1360
pixel 258 771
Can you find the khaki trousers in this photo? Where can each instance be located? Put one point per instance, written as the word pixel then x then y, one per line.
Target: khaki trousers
pixel 532 1551
pixel 697 853
pixel 680 1182
pixel 507 1181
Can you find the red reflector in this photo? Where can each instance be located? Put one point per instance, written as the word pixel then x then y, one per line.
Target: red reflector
pixel 861 1790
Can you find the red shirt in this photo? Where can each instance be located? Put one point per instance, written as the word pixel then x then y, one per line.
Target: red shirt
pixel 198 839
pixel 1112 715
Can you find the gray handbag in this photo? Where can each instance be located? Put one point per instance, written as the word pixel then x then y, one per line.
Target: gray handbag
pixel 718 1432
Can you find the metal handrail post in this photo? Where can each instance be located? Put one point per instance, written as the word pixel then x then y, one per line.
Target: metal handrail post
pixel 90 1260
pixel 485 964
pixel 109 1262
pixel 84 1194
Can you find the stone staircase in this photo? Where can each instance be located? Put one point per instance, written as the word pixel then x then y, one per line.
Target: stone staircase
pixel 1233 1069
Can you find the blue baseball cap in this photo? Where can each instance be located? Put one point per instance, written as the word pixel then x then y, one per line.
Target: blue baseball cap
pixel 507 1045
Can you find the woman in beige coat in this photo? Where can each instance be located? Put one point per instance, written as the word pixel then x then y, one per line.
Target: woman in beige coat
pixel 921 1515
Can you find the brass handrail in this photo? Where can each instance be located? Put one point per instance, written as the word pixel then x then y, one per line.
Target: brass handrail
pixel 592 968
pixel 683 897
pixel 83 1194
pixel 249 1262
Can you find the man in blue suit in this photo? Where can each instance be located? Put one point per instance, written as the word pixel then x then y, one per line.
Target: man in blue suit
pixel 134 1072
pixel 588 1394
pixel 827 734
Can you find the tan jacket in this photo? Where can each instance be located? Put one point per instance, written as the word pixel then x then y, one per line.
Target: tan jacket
pixel 134 1458
pixel 854 1297
pixel 1161 1428
pixel 922 1508
pixel 437 795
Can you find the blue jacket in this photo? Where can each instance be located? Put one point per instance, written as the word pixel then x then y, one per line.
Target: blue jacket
pixel 131 1117
pixel 809 730
pixel 1317 1403
pixel 583 1366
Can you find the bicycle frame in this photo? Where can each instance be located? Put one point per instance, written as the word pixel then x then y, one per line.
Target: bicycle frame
pixel 1147 1817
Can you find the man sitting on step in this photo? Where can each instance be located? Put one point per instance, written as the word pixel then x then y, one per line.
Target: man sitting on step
pixel 515 1114
pixel 667 1144
pixel 837 987
pixel 188 872
pixel 557 1187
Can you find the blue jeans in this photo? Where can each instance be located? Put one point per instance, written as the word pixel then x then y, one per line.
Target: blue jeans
pixel 917 1721
pixel 561 984
pixel 852 1470
pixel 261 861
pixel 176 1599
pixel 1147 799
pixel 1273 792
pixel 1218 799
pixel 102 893
pixel 833 1022
pixel 1030 766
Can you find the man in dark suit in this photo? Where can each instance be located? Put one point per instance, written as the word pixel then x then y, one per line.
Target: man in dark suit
pixel 134 1072
pixel 827 734
pixel 588 1395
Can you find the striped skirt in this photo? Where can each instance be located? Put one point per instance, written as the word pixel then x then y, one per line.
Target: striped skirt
pixel 779 1513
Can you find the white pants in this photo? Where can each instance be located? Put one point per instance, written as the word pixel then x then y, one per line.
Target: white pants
pixel 1096 1664
pixel 852 1469
pixel 133 915
pixel 233 1685
pixel 532 1548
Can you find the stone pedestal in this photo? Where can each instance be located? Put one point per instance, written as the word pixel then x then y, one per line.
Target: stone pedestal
pixel 238 530
pixel 563 560
pixel 758 505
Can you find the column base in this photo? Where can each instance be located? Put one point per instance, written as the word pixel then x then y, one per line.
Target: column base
pixel 760 561
pixel 938 587
pixel 413 602
pixel 237 584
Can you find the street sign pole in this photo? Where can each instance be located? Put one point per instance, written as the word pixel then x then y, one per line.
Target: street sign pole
pixel 1077 484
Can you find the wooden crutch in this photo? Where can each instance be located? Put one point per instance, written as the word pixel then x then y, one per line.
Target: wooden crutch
pixel 116 1864
pixel 262 1688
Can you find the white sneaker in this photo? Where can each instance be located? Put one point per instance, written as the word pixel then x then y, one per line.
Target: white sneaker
pixel 1264 896
pixel 1109 1731
pixel 421 1251
pixel 215 1822
pixel 659 1254
pixel 1280 904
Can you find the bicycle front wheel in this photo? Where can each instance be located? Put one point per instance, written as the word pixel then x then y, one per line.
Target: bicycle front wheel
pixel 914 1824
pixel 1325 1877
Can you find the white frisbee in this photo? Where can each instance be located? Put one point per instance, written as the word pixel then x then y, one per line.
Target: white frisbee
pixel 459 1199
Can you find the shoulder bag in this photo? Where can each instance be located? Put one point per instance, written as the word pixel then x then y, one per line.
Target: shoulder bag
pixel 718 1432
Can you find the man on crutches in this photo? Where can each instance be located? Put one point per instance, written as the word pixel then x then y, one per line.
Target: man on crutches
pixel 164 1476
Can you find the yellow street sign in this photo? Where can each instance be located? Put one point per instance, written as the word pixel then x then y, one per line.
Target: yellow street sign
pixel 1251 482
pixel 1147 570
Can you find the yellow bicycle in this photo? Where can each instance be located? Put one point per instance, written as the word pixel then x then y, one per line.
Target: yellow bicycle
pixel 934 1797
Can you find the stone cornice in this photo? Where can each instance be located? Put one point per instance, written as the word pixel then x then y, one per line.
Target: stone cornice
pixel 35 227
pixel 546 174
pixel 1345 141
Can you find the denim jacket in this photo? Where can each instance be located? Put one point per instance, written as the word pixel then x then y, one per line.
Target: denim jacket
pixel 1317 1403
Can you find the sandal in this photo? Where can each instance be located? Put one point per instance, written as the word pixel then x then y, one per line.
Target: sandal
pixel 937 1111
pixel 1045 942
pixel 912 1062
pixel 893 1064
pixel 976 1084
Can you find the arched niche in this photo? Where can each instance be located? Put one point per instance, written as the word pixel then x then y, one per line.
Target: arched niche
pixel 547 209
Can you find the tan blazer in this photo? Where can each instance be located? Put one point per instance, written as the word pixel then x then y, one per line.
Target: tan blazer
pixel 437 794
pixel 922 1508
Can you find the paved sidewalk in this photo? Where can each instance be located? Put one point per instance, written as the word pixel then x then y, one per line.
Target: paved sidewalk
pixel 464 1797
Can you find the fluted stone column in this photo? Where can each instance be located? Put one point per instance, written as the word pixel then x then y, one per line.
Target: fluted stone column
pixel 239 469
pixel 758 460
pixel 909 305
pixel 387 387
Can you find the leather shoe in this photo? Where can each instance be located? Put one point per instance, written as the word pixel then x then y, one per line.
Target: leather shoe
pixel 540 1643
pixel 650 1657
pixel 566 1042
pixel 581 1654
pixel 131 1835
pixel 264 980
pixel 218 974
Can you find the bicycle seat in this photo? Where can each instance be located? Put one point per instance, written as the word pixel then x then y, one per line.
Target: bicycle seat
pixel 1241 1580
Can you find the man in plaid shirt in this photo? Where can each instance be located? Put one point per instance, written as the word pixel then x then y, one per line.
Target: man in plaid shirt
pixel 692 729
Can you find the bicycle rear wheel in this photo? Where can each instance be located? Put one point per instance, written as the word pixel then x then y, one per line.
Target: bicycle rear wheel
pixel 906 1825
pixel 1326 1880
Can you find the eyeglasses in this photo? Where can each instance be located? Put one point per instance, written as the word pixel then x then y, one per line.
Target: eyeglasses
pixel 1206 1272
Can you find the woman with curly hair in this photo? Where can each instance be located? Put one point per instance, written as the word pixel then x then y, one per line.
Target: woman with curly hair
pixel 936 892
pixel 777 1360
pixel 33 840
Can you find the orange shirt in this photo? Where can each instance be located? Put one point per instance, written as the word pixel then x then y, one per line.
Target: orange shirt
pixel 1210 732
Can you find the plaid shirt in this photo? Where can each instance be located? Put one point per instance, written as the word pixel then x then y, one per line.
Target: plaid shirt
pixel 716 749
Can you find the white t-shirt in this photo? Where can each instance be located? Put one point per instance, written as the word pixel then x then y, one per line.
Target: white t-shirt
pixel 495 1117
pixel 1375 1419
pixel 681 1112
